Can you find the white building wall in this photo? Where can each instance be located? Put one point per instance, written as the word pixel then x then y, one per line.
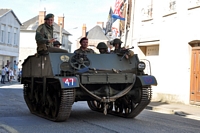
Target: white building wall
pixel 27 39
pixel 64 40
pixel 9 48
pixel 27 45
pixel 171 66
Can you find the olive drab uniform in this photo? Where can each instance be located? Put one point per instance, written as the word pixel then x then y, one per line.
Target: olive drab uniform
pixel 44 33
pixel 88 50
pixel 130 52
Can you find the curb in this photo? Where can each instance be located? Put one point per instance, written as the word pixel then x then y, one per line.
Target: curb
pixel 161 110
pixel 9 84
pixel 171 111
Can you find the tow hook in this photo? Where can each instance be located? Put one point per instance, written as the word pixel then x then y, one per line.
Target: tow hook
pixel 105 108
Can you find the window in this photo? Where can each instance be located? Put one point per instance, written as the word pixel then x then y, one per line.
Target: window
pixel 15 36
pixel 193 4
pixel 9 35
pixel 149 48
pixel 63 41
pixel 152 50
pixel 172 6
pixel 2 33
pixel 55 36
pixel 169 7
pixel 9 38
pixel 147 10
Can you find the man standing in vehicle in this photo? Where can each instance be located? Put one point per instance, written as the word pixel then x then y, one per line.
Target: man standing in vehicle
pixel 57 44
pixel 103 48
pixel 84 47
pixel 44 35
pixel 117 44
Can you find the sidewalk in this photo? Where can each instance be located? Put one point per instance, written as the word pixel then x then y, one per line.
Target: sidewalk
pixel 188 111
pixel 10 83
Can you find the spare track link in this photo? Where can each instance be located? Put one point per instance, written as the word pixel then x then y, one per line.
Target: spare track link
pixel 145 100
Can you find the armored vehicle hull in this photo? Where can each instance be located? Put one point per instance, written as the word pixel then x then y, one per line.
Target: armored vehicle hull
pixel 109 83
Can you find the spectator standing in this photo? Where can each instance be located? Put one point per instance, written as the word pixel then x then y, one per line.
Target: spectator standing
pixel 15 67
pixel 19 75
pixel 7 72
pixel 3 74
pixel 11 75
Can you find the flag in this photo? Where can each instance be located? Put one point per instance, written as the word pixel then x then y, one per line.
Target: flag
pixel 117 13
pixel 110 21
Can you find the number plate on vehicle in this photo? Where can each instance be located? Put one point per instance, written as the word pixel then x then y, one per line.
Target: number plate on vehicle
pixel 70 82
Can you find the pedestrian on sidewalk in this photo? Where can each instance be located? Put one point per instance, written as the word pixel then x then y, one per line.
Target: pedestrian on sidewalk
pixel 3 74
pixel 19 75
pixel 11 74
pixel 7 72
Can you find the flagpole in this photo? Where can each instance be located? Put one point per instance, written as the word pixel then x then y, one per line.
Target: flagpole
pixel 125 25
pixel 132 21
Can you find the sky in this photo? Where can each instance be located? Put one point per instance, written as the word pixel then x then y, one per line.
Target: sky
pixel 76 12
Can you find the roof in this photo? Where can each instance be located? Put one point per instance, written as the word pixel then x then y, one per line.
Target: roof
pixel 69 42
pixel 96 33
pixel 6 11
pixel 33 23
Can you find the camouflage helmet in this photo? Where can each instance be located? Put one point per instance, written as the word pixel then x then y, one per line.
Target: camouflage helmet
pixel 116 41
pixel 102 45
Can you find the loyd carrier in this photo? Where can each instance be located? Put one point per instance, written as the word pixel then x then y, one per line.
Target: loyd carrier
pixel 110 84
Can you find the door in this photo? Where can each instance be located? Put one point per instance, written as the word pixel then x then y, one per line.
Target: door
pixel 195 77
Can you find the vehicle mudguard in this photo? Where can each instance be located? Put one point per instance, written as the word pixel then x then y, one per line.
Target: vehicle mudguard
pixel 147 80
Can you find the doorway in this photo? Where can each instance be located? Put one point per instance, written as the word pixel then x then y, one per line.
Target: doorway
pixel 195 77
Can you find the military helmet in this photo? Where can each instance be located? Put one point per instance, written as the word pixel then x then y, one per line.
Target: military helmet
pixel 116 41
pixel 56 43
pixel 50 15
pixel 102 45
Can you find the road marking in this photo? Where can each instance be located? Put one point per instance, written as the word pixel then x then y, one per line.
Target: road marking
pixel 8 128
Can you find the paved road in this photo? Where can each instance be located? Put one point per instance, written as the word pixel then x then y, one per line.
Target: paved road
pixel 15 118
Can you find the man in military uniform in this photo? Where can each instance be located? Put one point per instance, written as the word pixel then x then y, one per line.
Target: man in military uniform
pixel 44 35
pixel 57 44
pixel 83 49
pixel 117 44
pixel 103 48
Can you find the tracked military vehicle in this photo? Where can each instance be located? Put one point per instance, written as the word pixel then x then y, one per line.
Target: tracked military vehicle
pixel 110 84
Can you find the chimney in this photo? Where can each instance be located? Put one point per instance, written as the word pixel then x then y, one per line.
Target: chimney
pixel 61 21
pixel 101 24
pixel 84 30
pixel 42 15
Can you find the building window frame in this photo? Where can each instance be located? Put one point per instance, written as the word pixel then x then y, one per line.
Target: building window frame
pixel 15 36
pixel 3 28
pixel 193 4
pixel 147 11
pixel 170 8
